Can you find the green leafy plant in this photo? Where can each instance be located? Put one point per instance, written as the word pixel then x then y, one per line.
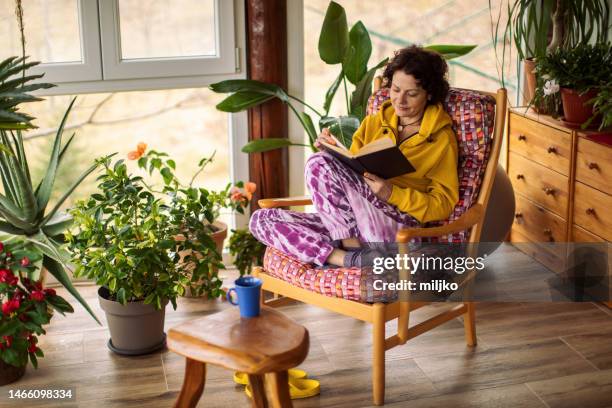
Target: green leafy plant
pixel 580 68
pixel 351 49
pixel 246 249
pixel 131 236
pixel 528 22
pixel 24 205
pixel 602 107
pixel 26 305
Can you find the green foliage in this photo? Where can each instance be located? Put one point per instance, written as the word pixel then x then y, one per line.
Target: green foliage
pixel 337 45
pixel 150 245
pixel 246 249
pixel 26 306
pixel 602 107
pixel 581 68
pixel 24 206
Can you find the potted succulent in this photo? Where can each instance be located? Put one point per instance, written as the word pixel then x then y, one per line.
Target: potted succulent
pixel 26 308
pixel 580 72
pixel 146 247
pixel 25 208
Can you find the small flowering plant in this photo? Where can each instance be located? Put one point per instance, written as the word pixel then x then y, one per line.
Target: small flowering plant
pixel 26 305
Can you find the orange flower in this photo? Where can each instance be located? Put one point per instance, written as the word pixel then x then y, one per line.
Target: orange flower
pixel 250 189
pixel 137 154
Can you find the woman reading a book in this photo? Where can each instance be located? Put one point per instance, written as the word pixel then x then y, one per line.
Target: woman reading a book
pixel 356 209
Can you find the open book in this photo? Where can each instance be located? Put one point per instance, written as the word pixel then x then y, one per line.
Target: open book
pixel 380 157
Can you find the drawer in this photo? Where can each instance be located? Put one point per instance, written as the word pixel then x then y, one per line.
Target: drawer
pixel 594 165
pixel 546 254
pixel 582 235
pixel 537 223
pixel 540 184
pixel 593 210
pixel 543 144
pixel 592 255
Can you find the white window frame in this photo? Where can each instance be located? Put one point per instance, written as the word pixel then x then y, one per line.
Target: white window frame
pixel 114 67
pixel 89 68
pixel 102 70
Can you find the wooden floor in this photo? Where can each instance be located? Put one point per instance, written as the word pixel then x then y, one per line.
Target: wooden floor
pixel 528 355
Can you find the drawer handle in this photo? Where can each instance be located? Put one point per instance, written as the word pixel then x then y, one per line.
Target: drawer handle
pixel 551 149
pixel 520 176
pixel 590 211
pixel 547 231
pixel 593 166
pixel 522 137
pixel 549 191
pixel 518 215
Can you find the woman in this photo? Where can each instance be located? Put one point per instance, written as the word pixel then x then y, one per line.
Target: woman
pixel 354 210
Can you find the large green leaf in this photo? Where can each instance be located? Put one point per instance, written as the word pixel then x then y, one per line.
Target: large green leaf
pixel 334 37
pixel 58 224
pixel 449 51
pixel 309 127
pixel 57 270
pixel 46 185
pixel 343 127
pixel 355 63
pixel 243 100
pixel 363 90
pixel 264 145
pixel 331 92
pixel 249 85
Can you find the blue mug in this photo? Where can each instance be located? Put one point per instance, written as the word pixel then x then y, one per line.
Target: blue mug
pixel 248 290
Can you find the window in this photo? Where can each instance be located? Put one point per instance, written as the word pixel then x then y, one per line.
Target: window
pixel 101 45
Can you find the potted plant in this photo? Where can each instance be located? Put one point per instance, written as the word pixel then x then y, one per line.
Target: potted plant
pixel 26 308
pixel 529 22
pixel 129 239
pixel 580 72
pixel 246 249
pixel 602 107
pixel 25 209
pixel 351 50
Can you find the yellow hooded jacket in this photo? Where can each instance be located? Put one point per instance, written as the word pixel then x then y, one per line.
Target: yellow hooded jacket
pixel 431 192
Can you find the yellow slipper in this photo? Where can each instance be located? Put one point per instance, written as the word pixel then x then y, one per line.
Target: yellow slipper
pixel 298 388
pixel 243 378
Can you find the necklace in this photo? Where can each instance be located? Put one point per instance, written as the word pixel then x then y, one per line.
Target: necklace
pixel 401 127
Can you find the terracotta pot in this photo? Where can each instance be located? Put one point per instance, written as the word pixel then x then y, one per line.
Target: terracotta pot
pixel 575 108
pixel 218 237
pixel 9 373
pixel 135 328
pixel 530 82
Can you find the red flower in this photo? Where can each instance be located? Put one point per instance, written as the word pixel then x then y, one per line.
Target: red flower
pixel 37 295
pixel 1 247
pixel 32 348
pixel 10 306
pixel 25 261
pixel 8 340
pixel 50 292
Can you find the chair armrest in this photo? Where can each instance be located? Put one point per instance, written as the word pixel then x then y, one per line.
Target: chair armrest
pixel 470 218
pixel 284 202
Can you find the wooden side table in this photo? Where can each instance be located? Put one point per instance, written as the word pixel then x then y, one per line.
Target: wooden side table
pixel 264 347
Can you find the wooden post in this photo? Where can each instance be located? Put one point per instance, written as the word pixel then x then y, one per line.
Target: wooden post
pixel 267 61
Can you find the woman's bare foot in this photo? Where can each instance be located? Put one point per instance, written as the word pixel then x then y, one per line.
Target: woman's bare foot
pixel 351 244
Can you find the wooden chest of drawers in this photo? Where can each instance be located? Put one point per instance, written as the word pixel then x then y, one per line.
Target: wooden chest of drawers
pixel 562 180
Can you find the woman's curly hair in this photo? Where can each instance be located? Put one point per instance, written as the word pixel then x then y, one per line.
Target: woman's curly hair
pixel 428 67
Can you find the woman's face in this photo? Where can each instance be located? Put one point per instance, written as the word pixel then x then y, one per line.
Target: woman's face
pixel 407 96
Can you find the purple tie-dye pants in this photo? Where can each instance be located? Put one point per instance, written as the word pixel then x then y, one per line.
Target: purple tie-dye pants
pixel 346 208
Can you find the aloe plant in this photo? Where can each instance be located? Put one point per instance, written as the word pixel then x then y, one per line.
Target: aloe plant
pixel 24 205
pixel 351 49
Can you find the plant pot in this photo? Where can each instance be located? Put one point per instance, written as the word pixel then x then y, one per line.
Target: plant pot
pixel 218 237
pixel 9 373
pixel 575 108
pixel 135 328
pixel 530 82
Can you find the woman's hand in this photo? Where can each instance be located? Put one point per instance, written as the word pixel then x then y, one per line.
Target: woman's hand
pixel 382 188
pixel 324 136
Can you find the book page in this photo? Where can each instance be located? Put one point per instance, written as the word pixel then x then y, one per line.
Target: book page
pixel 375 146
pixel 341 150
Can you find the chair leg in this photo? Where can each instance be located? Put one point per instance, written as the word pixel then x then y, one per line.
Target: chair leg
pixel 277 390
pixel 469 324
pixel 193 384
pixel 258 392
pixel 378 356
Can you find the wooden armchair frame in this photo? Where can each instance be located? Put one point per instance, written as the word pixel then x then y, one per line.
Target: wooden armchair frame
pixel 380 313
